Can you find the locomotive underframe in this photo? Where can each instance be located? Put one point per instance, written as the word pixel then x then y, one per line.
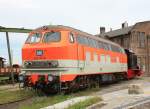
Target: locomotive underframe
pixel 56 85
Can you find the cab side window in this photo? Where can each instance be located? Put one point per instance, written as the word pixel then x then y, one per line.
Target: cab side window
pixel 71 38
pixel 82 40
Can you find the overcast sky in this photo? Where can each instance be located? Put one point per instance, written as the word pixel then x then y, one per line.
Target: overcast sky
pixel 86 15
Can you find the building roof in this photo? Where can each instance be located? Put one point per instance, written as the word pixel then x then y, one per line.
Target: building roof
pixel 117 32
pixel 14 30
pixel 1 58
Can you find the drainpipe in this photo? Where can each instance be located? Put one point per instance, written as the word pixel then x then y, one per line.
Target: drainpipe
pixel 148 58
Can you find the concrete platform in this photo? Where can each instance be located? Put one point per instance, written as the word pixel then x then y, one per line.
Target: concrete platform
pixel 67 103
pixel 122 100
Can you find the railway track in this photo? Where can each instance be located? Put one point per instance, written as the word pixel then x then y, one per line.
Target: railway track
pixel 134 104
pixel 14 104
pixel 5 81
pixel 16 101
pixel 8 87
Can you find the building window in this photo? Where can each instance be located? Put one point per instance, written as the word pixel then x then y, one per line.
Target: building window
pixel 141 39
pixel 133 36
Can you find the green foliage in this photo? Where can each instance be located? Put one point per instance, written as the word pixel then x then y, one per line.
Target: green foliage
pixel 39 102
pixel 9 96
pixel 86 103
pixel 3 78
pixel 43 101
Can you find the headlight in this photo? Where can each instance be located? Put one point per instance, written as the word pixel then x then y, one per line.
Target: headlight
pixel 27 63
pixel 50 78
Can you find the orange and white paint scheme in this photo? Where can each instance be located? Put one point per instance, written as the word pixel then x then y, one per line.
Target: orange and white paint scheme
pixel 68 53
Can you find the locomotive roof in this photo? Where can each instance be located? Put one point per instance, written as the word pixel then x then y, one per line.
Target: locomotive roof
pixel 76 31
pixel 2 59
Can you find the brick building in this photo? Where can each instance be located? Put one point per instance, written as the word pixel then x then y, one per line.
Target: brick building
pixel 2 60
pixel 135 38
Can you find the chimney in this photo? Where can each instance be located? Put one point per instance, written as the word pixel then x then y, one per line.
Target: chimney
pixel 124 25
pixel 102 30
pixel 110 29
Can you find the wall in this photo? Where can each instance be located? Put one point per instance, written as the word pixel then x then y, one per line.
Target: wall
pixel 140 43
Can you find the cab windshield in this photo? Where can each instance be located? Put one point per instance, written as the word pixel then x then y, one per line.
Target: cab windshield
pixel 34 38
pixel 52 37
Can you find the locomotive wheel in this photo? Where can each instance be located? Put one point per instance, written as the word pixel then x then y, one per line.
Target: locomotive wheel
pixel 80 83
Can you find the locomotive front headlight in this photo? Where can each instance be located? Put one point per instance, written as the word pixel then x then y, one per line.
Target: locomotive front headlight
pixel 27 63
pixel 50 78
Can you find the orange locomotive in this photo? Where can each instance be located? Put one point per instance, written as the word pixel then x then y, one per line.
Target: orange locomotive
pixel 63 58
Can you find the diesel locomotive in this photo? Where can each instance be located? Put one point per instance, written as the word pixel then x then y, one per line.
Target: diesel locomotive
pixel 61 58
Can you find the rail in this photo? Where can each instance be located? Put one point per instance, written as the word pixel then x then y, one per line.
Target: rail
pixel 134 104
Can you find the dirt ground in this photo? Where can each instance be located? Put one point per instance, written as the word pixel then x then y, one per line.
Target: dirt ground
pixel 122 85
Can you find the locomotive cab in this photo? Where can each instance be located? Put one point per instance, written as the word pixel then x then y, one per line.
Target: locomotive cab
pixel 47 53
pixel 133 67
pixel 132 60
pixel 49 49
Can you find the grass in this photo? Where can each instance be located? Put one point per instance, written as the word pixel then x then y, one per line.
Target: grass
pixel 10 96
pixel 85 103
pixel 40 102
pixel 43 101
pixel 3 78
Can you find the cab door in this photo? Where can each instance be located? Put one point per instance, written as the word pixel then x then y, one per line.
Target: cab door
pixel 80 53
